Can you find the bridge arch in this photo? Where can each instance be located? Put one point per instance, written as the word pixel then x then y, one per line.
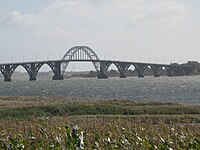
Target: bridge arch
pixel 108 65
pixel 169 71
pixel 8 70
pixel 122 67
pixel 80 53
pixel 132 70
pixel 112 63
pixel 32 73
pixel 152 69
pixel 24 66
pixel 40 65
pixel 142 68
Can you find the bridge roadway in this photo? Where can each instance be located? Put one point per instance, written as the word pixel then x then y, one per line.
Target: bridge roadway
pixel 86 54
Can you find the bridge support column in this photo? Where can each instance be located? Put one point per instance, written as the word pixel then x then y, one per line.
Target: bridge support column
pixel 57 72
pixel 7 79
pixel 102 76
pixel 170 74
pixel 140 75
pixel 7 76
pixel 122 67
pixel 102 73
pixel 170 71
pixel 156 75
pixel 32 79
pixel 156 70
pixel 140 70
pixel 33 72
pixel 122 75
pixel 57 77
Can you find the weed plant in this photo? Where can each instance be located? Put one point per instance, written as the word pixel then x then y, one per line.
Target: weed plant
pixel 98 133
pixel 40 123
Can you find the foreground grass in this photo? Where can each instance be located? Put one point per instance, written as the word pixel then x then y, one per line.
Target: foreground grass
pixel 60 123
pixel 97 133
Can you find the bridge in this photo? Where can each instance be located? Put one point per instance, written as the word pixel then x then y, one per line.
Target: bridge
pixel 86 54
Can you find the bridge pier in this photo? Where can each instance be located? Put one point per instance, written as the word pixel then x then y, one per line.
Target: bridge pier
pixel 57 77
pixel 7 74
pixel 7 79
pixel 156 70
pixel 140 70
pixel 122 67
pixel 156 75
pixel 102 76
pixel 170 75
pixel 57 71
pixel 170 71
pixel 140 75
pixel 122 75
pixel 102 73
pixel 32 79
pixel 32 72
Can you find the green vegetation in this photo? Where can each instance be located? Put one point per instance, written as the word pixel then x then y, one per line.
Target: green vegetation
pixel 29 107
pixel 97 133
pixel 69 123
pixel 63 109
pixel 195 67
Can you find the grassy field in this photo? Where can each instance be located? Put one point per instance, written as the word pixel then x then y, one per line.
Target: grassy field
pixel 29 107
pixel 71 123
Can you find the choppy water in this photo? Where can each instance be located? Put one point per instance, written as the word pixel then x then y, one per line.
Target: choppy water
pixel 163 89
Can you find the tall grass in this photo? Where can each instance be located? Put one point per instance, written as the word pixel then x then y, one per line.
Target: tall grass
pixel 97 133
pixel 28 107
pixel 28 123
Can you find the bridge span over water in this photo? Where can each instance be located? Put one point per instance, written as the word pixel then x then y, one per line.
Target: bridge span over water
pixel 86 54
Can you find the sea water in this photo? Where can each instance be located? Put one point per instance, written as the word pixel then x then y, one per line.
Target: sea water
pixel 161 89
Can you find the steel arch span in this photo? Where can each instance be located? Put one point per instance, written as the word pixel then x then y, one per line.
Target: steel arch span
pixel 80 53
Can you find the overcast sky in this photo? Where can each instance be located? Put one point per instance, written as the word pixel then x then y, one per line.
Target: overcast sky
pixel 147 30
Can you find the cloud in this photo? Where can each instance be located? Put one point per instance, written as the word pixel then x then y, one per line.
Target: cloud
pixel 73 12
pixel 15 18
pixel 107 24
